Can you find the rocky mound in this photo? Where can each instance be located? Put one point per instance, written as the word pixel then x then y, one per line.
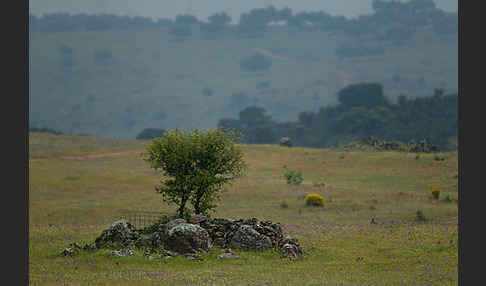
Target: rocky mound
pixel 383 145
pixel 198 235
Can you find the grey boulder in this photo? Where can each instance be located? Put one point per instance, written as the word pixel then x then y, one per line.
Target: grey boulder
pixel 247 238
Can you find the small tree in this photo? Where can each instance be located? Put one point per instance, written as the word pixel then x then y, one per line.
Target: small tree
pixel 198 164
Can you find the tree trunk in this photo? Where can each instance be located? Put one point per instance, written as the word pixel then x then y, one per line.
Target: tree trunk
pixel 182 206
pixel 197 209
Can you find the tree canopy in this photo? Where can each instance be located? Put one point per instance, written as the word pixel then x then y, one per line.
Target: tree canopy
pixel 195 166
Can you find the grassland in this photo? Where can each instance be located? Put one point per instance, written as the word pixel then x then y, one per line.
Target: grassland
pixel 74 200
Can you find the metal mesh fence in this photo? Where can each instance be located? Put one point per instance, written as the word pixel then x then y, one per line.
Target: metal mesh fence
pixel 140 219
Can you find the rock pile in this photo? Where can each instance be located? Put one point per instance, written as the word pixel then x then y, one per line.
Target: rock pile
pixel 248 234
pixel 286 141
pixel 120 233
pixel 382 145
pixel 290 248
pixel 197 235
pixel 121 253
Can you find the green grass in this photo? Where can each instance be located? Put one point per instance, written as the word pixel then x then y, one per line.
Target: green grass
pixel 74 200
pixel 43 145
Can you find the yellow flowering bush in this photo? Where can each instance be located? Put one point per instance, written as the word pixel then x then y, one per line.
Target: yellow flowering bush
pixel 435 193
pixel 314 200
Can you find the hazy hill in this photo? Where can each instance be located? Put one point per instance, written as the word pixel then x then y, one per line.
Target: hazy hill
pixel 114 83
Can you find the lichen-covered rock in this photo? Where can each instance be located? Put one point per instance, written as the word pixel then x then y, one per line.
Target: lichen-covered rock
pixel 72 250
pixel 248 238
pixel 286 141
pixel 290 251
pixel 158 239
pixel 198 219
pixel 290 248
pixel 144 241
pixel 179 237
pixel 69 251
pixel 160 236
pixel 121 253
pixel 120 233
pixel 266 228
pixel 228 256
pixel 193 257
pixel 172 223
pixel 188 238
pixel 89 246
pixel 222 230
pixel 75 245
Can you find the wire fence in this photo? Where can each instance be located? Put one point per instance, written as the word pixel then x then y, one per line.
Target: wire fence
pixel 139 218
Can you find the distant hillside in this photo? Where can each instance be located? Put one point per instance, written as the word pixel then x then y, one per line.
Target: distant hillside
pixel 110 81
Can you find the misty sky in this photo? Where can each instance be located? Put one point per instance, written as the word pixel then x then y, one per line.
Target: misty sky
pixel 203 8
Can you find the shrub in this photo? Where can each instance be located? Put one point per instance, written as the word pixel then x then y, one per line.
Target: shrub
pixel 419 216
pixel 103 56
pixel 257 62
pixel 150 133
pixel 447 199
pixel 180 30
pixel 293 178
pixel 435 193
pixel 45 130
pixel 314 200
pixel 207 91
pixel 284 205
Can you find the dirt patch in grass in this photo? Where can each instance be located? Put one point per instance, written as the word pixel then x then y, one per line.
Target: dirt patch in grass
pixel 93 156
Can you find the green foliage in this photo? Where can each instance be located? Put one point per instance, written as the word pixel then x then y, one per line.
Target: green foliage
pixel 65 50
pixel 263 85
pixel 362 95
pixel 150 133
pixel 293 178
pixel 103 56
pixel 254 123
pixel 358 50
pixel 253 116
pixel 257 62
pixel 216 22
pixel 195 166
pixel 363 112
pixel 447 199
pixel 284 205
pixel 239 100
pixel 419 216
pixel 180 30
pixel 33 128
pixel 157 224
pixel 207 91
pixel 186 19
